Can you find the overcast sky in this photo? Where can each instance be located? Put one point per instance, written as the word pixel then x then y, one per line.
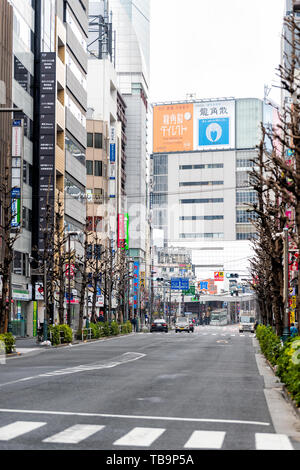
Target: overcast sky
pixel 214 48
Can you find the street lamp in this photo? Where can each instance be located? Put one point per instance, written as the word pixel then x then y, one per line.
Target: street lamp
pixel 69 276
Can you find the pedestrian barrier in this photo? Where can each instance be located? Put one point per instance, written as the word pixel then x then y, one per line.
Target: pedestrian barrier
pixel 88 333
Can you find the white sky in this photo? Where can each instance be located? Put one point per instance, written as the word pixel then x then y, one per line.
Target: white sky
pixel 214 48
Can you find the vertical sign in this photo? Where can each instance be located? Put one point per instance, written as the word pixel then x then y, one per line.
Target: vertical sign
pixel 47 138
pixel 35 317
pixel 136 282
pixel 126 223
pixel 16 172
pixel 121 231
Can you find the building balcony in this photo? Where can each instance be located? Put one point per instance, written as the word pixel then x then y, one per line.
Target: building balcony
pixel 59 159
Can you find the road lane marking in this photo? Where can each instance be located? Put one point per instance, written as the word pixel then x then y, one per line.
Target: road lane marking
pixel 123 359
pixel 18 428
pixel 141 437
pixel 272 442
pixel 74 434
pixel 205 440
pixel 153 418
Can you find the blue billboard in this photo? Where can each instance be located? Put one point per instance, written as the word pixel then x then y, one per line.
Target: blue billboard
pixel 213 132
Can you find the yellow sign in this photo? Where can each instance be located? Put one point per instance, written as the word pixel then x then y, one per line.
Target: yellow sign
pixel 292 316
pixel 294 301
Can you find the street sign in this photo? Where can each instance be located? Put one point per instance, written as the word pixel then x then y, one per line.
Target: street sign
pixel 179 283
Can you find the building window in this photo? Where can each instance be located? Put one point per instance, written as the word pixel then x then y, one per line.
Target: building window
pixel 246 197
pixel 90 139
pixel 202 235
pixel 201 201
pixel 98 196
pixel 89 167
pixel 201 183
pixel 98 168
pixel 201 217
pixel 98 140
pixel 201 166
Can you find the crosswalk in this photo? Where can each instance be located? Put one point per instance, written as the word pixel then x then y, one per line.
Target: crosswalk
pixel 137 437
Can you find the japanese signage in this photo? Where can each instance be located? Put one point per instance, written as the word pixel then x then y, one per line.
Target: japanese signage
pixel 121 231
pixel 136 281
pixel 178 283
pixel 46 138
pixel 219 276
pixel 214 125
pixel 186 127
pixel 173 128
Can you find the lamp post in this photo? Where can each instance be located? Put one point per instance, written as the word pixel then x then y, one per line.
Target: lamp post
pixel 286 319
pixel 69 277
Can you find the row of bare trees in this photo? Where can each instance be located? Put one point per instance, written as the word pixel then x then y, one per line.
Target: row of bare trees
pixel 94 265
pixel 276 179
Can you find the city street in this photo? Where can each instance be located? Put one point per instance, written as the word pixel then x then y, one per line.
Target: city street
pixel 159 391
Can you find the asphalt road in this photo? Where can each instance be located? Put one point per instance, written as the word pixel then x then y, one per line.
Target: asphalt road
pixel 159 391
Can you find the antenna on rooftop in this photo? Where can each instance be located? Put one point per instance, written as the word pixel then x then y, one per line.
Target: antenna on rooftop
pixel 191 96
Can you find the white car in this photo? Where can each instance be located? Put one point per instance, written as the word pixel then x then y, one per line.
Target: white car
pixel 182 324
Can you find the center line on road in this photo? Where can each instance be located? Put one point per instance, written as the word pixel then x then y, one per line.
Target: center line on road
pixel 153 418
pixel 117 361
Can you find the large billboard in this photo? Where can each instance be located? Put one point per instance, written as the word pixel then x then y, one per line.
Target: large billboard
pixel 214 125
pixel 173 128
pixel 185 127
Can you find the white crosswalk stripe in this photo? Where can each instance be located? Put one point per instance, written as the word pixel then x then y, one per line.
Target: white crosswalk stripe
pixel 142 437
pixel 74 434
pixel 265 441
pixel 205 440
pixel 18 428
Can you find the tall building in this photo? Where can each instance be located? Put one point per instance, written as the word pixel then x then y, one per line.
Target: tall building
pixel 131 22
pixel 49 85
pixel 202 153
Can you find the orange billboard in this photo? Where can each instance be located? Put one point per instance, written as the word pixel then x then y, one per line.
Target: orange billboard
pixel 173 127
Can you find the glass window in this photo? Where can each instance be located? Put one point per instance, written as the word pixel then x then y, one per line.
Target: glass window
pixel 201 201
pixel 98 140
pixel 98 168
pixel 89 167
pixel 90 139
pixel 246 197
pixel 98 196
pixel 75 149
pixel 249 115
pixel 200 183
pixel 160 164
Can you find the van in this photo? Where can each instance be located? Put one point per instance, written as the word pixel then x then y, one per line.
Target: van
pixel 247 323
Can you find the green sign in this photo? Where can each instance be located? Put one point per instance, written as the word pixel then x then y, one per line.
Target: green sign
pixel 126 223
pixel 35 318
pixel 191 291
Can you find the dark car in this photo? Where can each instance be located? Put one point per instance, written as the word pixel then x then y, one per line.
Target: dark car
pixel 159 325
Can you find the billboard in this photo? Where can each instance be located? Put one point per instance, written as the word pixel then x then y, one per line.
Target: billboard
pixel 185 127
pixel 173 128
pixel 214 125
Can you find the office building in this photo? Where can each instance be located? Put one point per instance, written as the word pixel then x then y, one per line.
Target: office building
pixel 202 155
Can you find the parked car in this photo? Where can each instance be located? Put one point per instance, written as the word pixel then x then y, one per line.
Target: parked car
pixel 182 324
pixel 159 325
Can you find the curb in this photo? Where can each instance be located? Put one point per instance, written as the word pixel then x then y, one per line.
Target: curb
pixel 286 394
